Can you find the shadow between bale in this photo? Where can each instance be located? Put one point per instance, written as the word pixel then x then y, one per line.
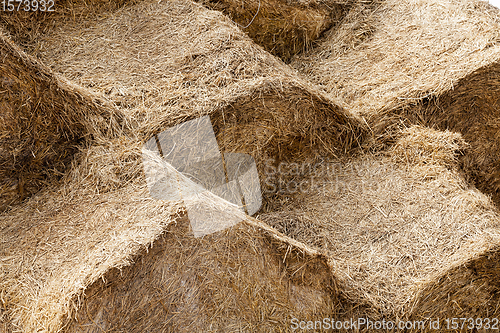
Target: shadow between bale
pixel 285 126
pixel 470 108
pixel 283 28
pixel 44 121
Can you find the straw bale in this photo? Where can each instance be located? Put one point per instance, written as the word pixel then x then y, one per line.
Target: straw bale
pixel 426 62
pixel 99 253
pixel 404 231
pixel 283 28
pixel 247 277
pixel 387 54
pixel 230 281
pixel 161 63
pixel 44 119
pixel 69 241
pixel 82 258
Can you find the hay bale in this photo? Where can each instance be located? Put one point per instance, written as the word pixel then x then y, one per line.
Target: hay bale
pixel 283 28
pixel 101 252
pixel 432 63
pixel 403 230
pixel 72 239
pixel 389 54
pixel 234 280
pixel 76 240
pixel 82 258
pixel 386 249
pixel 44 120
pixel 257 104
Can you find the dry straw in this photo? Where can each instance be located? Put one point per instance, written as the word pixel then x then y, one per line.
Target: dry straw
pixel 135 71
pixel 249 277
pixel 424 62
pixel 161 69
pixel 240 279
pixel 396 235
pixel 403 231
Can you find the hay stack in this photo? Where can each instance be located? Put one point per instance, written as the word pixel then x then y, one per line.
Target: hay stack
pixel 403 231
pixel 283 28
pixel 156 65
pixel 130 59
pixel 428 62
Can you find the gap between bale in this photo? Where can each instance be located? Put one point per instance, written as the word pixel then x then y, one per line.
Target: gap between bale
pixel 45 120
pixel 292 125
pixel 283 28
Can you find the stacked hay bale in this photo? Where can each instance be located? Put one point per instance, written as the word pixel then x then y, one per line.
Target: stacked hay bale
pixel 404 231
pixel 144 73
pixel 432 63
pixel 398 235
pixel 161 74
pixel 246 277
pixel 156 65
